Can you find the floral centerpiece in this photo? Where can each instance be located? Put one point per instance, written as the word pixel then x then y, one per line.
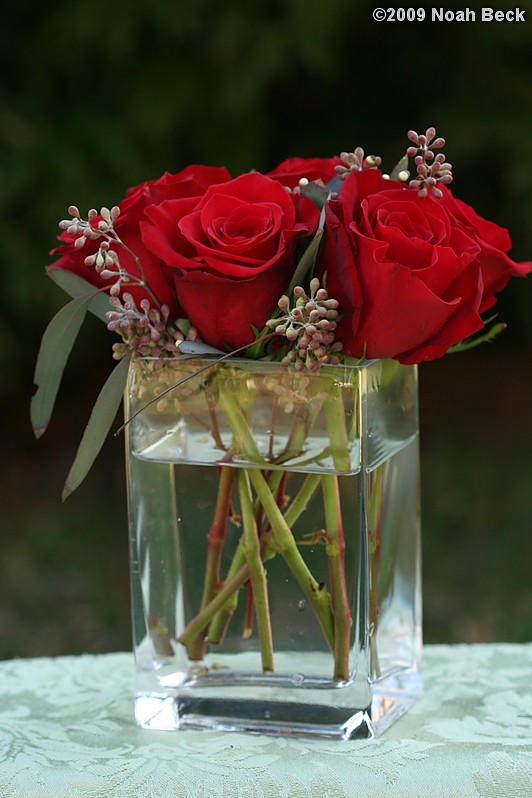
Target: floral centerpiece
pixel 269 327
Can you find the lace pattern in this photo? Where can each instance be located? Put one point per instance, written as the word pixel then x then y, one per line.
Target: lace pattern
pixel 67 729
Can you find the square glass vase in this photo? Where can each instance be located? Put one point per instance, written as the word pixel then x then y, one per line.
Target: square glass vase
pixel 275 546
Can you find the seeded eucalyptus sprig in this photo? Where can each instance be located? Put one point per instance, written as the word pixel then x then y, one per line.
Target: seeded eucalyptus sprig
pixel 356 161
pixel 106 261
pixel 431 169
pixel 309 327
pixel 145 331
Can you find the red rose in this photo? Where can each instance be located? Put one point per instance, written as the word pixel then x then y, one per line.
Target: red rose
pixel 412 274
pixel 494 242
pixel 233 252
pixel 290 172
pixel 190 182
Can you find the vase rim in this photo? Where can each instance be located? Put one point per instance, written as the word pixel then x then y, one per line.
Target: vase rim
pixel 267 363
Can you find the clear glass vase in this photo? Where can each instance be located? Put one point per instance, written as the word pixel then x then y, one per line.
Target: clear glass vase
pixel 275 560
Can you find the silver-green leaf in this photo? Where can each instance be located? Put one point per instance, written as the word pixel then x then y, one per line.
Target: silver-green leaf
pixel 305 266
pixel 197 348
pixel 97 429
pixel 401 166
pixel 56 345
pixel 75 286
pixel 315 192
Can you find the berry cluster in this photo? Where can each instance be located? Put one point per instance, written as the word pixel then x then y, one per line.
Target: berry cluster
pixel 145 331
pixel 309 327
pixel 84 227
pixel 106 260
pixel 295 390
pixel 356 162
pixel 431 169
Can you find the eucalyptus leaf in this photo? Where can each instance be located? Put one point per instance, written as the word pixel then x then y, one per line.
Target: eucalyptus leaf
pixel 183 325
pixel 76 286
pixel 197 348
pixel 306 264
pixel 400 166
pixel 334 185
pixel 97 429
pixel 56 345
pixel 315 192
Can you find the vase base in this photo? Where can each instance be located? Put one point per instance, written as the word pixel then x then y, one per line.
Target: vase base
pixel 166 712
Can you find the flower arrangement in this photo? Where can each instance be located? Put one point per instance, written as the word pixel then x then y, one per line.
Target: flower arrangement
pixel 319 262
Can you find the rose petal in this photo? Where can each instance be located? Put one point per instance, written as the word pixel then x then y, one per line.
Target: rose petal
pixel 290 171
pixel 223 309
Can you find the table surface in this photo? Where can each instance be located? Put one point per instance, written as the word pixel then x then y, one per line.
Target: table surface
pixel 67 729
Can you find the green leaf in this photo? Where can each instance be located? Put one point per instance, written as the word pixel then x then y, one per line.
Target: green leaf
pixel 97 429
pixel 76 286
pixel 183 325
pixel 197 349
pixel 306 264
pixel 334 185
pixel 401 166
pixel 486 338
pixel 56 345
pixel 259 347
pixel 316 192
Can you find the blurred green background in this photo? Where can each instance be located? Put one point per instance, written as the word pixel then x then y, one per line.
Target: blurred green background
pixel 95 97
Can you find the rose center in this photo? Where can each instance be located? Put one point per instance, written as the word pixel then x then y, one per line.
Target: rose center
pixel 409 227
pixel 241 225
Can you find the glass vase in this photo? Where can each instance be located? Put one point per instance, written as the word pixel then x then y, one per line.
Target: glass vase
pixel 275 561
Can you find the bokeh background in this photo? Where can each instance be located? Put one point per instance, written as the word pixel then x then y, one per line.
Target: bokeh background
pixel 98 96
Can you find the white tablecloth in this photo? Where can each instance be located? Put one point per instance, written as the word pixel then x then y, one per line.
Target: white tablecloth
pixel 67 729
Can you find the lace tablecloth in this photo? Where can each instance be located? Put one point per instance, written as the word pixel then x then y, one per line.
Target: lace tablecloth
pixel 67 729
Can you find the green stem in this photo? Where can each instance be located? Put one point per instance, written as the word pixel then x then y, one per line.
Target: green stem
pixel 214 429
pixel 315 592
pixel 301 500
pixel 274 479
pixel 335 548
pixel 251 547
pixel 215 543
pixel 202 619
pixel 221 619
pixel 271 434
pixel 296 438
pixel 282 535
pixel 247 629
pixel 334 412
pixel 304 420
pixel 243 436
pixel 374 519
